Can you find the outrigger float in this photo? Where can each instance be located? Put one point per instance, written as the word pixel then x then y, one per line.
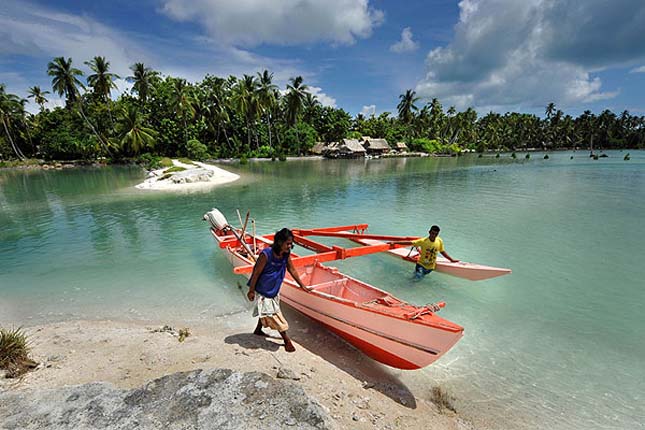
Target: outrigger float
pixel 385 328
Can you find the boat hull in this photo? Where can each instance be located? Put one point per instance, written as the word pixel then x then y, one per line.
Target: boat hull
pixel 460 269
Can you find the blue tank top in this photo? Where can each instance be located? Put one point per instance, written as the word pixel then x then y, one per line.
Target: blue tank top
pixel 271 278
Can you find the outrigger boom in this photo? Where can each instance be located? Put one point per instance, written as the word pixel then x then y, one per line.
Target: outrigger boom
pixel 370 244
pixel 325 253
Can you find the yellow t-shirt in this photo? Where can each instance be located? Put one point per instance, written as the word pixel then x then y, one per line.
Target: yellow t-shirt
pixel 428 251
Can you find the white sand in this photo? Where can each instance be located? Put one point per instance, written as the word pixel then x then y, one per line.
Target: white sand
pixel 357 392
pixel 220 176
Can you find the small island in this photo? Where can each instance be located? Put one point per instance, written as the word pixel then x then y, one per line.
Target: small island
pixel 190 175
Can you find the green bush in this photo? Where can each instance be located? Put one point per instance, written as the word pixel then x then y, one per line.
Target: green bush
pixel 264 151
pixel 431 146
pixel 244 159
pixel 149 161
pixel 196 150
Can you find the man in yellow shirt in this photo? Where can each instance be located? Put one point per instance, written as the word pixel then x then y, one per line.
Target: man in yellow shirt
pixel 428 248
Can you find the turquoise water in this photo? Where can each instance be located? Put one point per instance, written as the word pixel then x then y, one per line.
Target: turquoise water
pixel 558 344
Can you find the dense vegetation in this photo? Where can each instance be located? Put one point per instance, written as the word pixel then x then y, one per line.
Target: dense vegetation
pixel 251 117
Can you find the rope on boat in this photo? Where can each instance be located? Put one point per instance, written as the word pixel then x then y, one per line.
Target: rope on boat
pixel 384 301
pixel 430 308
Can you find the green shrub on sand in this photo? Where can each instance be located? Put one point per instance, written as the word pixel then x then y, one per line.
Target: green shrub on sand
pixel 186 161
pixel 165 162
pixel 174 169
pixel 14 353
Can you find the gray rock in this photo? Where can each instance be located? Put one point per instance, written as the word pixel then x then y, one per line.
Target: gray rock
pixel 191 176
pixel 286 373
pixel 212 399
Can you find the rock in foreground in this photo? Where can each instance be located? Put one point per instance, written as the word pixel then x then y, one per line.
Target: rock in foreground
pixel 212 399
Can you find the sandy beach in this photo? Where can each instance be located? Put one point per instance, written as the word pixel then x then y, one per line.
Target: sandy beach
pixel 212 176
pixel 356 391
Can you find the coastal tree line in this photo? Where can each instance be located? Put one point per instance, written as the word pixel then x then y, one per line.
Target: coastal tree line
pixel 250 116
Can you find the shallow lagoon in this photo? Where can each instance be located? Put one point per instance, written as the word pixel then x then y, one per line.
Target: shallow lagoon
pixel 557 344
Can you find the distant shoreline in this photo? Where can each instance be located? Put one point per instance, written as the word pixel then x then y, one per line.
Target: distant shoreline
pixel 67 164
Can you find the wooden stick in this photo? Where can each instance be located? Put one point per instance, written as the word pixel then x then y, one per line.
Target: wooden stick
pixel 239 217
pixel 246 220
pixel 255 245
pixel 244 245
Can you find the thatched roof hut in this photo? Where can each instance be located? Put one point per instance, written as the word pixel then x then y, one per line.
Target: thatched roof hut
pixel 376 146
pixel 318 148
pixel 346 148
pixel 352 146
pixel 400 146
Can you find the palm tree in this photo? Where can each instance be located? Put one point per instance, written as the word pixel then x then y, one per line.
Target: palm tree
pixel 143 79
pixel 64 79
pixel 295 101
pixel 245 99
pixel 39 96
pixel 406 106
pixel 133 135
pixel 11 110
pixel 184 103
pixel 267 91
pixel 102 81
pixel 550 110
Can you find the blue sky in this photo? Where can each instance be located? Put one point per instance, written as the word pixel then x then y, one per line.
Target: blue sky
pixel 360 55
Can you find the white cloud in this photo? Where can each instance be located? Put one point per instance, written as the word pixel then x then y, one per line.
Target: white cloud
pixel 640 69
pixel 406 44
pixel 283 22
pixel 42 33
pixel 122 87
pixel 323 98
pixel 368 110
pixel 529 53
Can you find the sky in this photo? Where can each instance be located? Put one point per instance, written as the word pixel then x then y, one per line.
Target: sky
pixel 359 55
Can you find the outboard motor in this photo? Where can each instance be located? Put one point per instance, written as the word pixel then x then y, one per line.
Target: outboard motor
pixel 216 219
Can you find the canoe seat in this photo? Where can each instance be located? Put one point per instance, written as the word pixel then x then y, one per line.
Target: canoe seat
pixel 334 287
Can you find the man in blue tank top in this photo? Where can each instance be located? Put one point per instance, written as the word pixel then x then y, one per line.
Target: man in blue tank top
pixel 266 280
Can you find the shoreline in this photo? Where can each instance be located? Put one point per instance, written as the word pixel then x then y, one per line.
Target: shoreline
pixel 356 391
pixel 67 164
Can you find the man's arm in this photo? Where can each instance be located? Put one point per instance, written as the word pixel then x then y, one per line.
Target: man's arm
pixel 294 273
pixel 452 260
pixel 401 242
pixel 257 270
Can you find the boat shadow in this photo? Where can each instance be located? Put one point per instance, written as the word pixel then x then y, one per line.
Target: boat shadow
pixel 319 341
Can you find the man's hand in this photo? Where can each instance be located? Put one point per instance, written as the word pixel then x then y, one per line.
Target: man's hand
pixel 251 295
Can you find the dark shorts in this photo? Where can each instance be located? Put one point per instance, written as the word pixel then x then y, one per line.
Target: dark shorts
pixel 420 271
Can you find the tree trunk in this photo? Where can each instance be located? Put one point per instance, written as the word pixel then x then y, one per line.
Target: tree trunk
pixel 98 136
pixel 269 124
pixel 15 148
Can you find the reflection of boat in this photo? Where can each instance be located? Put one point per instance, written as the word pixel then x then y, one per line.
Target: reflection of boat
pixel 460 269
pixel 385 328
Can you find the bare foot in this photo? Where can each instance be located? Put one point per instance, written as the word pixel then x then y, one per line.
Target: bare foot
pixel 288 346
pixel 260 333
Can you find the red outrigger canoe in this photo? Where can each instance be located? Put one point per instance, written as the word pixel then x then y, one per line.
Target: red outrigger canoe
pixel 385 328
